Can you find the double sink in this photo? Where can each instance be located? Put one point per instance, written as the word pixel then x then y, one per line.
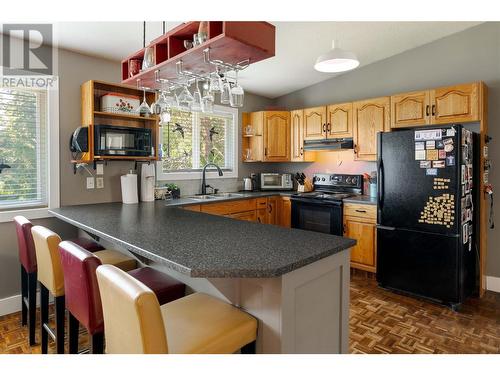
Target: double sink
pixel 204 197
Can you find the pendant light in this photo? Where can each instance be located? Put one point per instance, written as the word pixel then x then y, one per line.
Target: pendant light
pixel 336 60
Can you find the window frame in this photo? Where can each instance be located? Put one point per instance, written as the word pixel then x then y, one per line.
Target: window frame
pixel 210 174
pixel 53 187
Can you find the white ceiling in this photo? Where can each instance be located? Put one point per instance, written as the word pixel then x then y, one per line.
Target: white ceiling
pixel 298 44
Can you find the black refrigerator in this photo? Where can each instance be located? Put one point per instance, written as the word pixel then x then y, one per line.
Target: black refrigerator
pixel 426 222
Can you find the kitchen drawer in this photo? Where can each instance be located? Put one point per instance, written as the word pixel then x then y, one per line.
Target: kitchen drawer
pixel 227 208
pixel 261 203
pixel 368 211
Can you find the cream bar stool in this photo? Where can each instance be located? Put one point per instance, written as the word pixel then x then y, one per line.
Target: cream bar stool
pixel 134 322
pixel 51 279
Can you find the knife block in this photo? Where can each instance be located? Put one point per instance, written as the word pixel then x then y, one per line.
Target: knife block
pixel 306 187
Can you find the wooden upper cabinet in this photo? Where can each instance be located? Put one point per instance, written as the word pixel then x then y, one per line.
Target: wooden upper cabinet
pixel 410 109
pixel 297 135
pixel 339 121
pixel 314 123
pixel 276 136
pixel 459 103
pixel 369 117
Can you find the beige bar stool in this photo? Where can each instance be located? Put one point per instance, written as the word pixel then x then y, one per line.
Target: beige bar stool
pixel 51 280
pixel 134 322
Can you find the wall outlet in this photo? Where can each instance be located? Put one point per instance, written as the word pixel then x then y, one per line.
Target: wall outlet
pixel 90 182
pixel 99 181
pixel 99 169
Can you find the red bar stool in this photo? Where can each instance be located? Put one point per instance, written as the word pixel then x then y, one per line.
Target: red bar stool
pixel 27 258
pixel 83 300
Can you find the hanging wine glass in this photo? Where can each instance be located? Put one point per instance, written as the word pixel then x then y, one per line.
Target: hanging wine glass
pixel 215 83
pixel 197 101
pixel 144 109
pixel 237 93
pixel 207 102
pixel 185 99
pixel 226 93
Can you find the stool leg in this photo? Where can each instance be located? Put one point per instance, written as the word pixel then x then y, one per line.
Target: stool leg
pixel 32 306
pixel 97 343
pixel 24 295
pixel 44 317
pixel 249 348
pixel 74 328
pixel 60 309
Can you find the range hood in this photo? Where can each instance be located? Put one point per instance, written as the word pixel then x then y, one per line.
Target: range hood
pixel 329 144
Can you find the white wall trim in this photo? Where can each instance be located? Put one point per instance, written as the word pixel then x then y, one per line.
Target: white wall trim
pixel 493 283
pixel 10 305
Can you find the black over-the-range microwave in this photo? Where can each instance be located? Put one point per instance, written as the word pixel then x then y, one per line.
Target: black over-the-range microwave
pixel 112 140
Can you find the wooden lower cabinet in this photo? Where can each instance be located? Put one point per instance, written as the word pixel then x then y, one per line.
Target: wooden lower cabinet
pixel 245 216
pixel 285 212
pixel 261 215
pixel 360 224
pixel 272 210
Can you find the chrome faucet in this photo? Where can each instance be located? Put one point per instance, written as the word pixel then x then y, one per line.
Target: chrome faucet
pixel 203 181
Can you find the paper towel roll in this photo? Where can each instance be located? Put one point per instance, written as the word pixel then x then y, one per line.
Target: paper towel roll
pixel 129 188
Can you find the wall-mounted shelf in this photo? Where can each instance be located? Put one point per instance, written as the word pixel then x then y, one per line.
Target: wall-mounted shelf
pixel 91 92
pixel 231 42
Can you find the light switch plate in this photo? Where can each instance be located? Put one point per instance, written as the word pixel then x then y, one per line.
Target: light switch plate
pixel 90 182
pixel 99 181
pixel 99 168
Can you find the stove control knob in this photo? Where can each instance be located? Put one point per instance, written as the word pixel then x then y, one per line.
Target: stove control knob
pixel 323 179
pixel 354 180
pixel 348 180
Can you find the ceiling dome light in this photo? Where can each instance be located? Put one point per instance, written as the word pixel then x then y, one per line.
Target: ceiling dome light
pixel 336 60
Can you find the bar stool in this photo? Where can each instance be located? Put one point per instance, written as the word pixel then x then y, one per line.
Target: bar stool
pixel 51 279
pixel 27 258
pixel 83 301
pixel 134 322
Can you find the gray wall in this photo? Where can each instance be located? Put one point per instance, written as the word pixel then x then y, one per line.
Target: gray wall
pixel 471 55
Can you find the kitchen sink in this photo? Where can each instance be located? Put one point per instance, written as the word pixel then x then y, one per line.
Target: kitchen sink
pixel 203 197
pixel 228 195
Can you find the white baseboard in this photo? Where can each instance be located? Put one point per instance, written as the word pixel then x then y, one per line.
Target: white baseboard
pixel 493 283
pixel 12 304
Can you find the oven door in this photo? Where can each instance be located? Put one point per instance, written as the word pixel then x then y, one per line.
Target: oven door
pixel 317 216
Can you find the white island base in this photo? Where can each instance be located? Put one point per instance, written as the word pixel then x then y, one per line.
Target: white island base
pixel 304 311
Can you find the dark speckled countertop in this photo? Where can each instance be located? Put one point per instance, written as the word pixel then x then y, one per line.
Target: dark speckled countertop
pixel 202 245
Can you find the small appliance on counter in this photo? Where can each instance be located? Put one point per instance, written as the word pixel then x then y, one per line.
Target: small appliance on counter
pixel 147 182
pixel 275 181
pixel 247 184
pixel 322 209
pixel 129 188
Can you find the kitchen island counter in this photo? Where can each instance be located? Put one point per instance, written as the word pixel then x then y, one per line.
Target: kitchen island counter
pixel 295 282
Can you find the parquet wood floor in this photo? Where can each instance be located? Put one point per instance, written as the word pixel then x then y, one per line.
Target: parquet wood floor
pixel 385 322
pixel 380 322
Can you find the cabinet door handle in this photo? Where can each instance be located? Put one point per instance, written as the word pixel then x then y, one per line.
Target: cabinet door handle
pixel 301 151
pixel 328 127
pixel 362 211
pixel 433 109
pixel 355 149
pixel 270 208
pixel 324 128
pixel 265 151
pixel 427 110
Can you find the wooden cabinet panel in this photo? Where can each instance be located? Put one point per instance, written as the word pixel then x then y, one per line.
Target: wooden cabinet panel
pixel 245 216
pixel 339 124
pixel 459 103
pixel 285 212
pixel 410 109
pixel 193 207
pixel 261 215
pixel 272 210
pixel 370 117
pixel 314 123
pixel 276 136
pixel 363 254
pixel 227 208
pixel 297 135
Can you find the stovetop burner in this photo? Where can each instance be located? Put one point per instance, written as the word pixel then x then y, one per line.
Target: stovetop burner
pixel 334 187
pixel 323 195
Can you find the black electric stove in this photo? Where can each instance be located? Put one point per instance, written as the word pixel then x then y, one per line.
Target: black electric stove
pixel 321 209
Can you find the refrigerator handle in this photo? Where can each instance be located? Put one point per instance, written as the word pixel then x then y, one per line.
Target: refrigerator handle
pixel 380 174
